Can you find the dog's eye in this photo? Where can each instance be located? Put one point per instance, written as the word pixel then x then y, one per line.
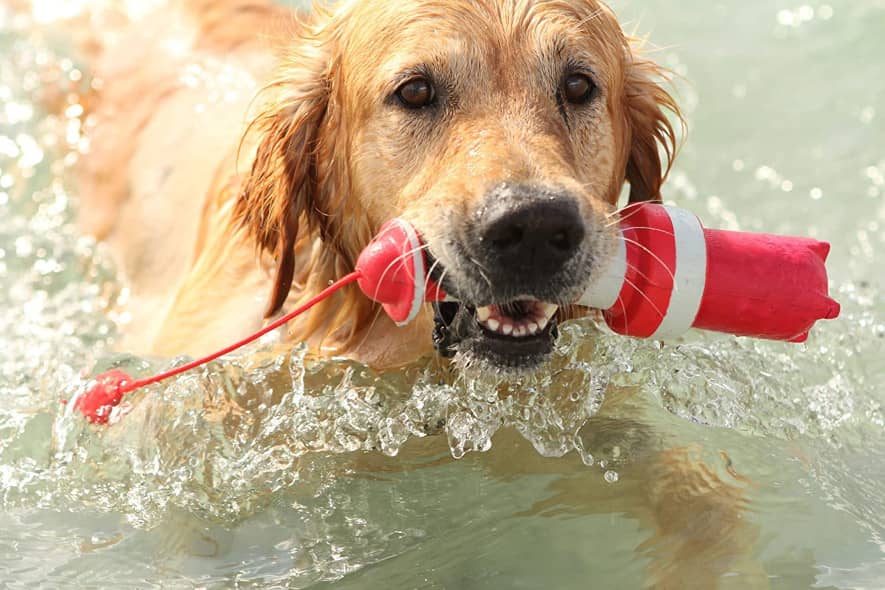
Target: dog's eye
pixel 416 93
pixel 577 88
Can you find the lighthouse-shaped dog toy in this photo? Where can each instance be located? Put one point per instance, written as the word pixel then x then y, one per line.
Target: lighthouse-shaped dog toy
pixel 669 274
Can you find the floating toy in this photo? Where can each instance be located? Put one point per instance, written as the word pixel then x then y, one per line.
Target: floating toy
pixel 668 274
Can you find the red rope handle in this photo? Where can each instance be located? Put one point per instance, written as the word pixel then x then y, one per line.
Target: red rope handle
pixel 328 291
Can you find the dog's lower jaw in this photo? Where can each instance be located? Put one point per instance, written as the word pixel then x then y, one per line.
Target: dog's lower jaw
pixel 458 334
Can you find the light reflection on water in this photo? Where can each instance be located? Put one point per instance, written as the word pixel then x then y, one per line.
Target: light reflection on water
pixel 281 469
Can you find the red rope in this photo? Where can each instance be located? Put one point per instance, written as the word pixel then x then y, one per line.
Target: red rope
pixel 337 285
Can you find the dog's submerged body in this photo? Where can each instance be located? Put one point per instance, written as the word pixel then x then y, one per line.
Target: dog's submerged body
pixel 233 181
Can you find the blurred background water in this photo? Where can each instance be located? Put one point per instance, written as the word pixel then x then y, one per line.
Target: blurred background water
pixel 288 472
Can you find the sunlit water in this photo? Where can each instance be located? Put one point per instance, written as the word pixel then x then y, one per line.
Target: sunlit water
pixel 265 471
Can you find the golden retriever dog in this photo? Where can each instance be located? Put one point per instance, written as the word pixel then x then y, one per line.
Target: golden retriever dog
pixel 234 181
pixel 503 130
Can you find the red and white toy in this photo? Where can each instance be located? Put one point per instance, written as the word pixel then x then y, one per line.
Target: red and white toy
pixel 669 274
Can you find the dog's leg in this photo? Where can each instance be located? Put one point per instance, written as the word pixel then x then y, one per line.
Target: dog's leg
pixel 702 537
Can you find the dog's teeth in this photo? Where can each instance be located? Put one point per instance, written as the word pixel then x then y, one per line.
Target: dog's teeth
pixel 537 321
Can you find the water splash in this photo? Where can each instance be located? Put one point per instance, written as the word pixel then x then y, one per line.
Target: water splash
pixel 220 442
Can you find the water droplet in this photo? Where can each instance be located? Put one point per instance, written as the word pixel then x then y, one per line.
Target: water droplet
pixel 786 18
pixel 806 13
pixel 23 247
pixel 611 476
pixel 74 111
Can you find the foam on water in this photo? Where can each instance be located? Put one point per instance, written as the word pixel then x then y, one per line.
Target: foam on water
pixel 269 443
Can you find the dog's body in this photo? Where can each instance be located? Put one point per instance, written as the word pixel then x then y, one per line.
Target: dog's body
pixel 164 196
pixel 504 130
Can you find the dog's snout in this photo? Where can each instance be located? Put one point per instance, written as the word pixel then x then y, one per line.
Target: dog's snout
pixel 530 232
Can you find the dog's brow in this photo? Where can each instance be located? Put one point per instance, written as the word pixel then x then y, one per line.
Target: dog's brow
pixel 409 72
pixel 438 64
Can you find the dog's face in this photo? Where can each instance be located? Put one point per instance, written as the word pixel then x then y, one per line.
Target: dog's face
pixel 503 130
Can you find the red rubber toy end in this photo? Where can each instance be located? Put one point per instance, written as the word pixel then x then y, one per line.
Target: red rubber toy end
pixel 393 272
pixel 96 403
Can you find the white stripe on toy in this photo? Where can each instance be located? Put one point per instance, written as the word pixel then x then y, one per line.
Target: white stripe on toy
pixel 690 275
pixel 416 249
pixel 604 291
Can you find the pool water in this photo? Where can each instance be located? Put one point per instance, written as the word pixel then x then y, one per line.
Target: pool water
pixel 267 471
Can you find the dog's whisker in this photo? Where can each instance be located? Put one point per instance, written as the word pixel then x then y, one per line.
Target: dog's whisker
pixel 620 210
pixel 482 271
pixel 396 261
pixel 633 211
pixel 442 277
pixel 378 313
pixel 428 276
pixel 655 229
pixel 623 312
pixel 655 257
pixel 644 296
pixel 639 272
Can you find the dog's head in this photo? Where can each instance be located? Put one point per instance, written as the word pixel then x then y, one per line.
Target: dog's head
pixel 503 130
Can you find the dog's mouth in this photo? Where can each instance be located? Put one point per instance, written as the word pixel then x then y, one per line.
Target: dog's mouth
pixel 514 335
pixel 520 319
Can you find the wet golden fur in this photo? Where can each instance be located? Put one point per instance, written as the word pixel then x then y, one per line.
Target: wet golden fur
pixel 321 160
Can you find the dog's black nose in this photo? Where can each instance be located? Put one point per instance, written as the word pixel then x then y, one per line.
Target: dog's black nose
pixel 530 232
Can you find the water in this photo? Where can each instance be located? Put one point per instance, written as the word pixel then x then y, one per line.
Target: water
pixel 265 471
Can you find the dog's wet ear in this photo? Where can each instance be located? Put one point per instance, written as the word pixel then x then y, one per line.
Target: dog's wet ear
pixel 653 143
pixel 282 190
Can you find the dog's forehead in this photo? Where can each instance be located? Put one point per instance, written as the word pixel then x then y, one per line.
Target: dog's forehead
pixel 481 32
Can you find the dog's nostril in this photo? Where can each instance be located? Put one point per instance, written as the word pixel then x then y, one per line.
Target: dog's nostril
pixel 561 240
pixel 506 237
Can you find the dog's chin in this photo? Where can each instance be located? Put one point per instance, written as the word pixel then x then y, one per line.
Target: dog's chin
pixel 512 337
